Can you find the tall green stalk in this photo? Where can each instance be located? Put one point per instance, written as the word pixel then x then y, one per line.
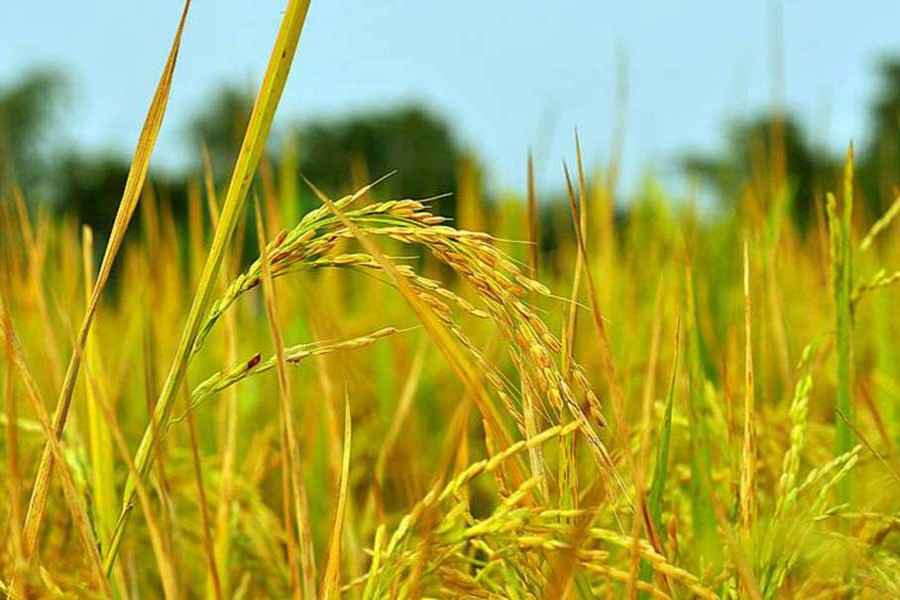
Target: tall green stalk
pixel 839 226
pixel 661 468
pixel 248 159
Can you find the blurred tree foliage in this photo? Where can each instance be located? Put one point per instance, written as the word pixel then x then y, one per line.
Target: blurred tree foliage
pixel 879 168
pixel 220 127
pixel 336 154
pixel 28 110
pixel 769 156
pixel 410 140
pixel 761 152
pixel 339 153
pixel 90 186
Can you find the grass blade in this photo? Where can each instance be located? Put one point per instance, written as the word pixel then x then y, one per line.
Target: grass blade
pixel 13 474
pixel 297 488
pixel 103 487
pixel 842 283
pixel 248 159
pixel 137 174
pixel 702 497
pixel 332 578
pixel 663 447
pixel 748 462
pixel 74 500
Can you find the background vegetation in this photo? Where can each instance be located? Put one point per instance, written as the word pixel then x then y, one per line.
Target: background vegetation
pixel 315 388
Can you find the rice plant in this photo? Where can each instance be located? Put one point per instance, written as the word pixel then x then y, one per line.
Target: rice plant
pixel 387 403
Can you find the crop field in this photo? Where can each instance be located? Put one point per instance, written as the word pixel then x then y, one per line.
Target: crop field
pixel 371 399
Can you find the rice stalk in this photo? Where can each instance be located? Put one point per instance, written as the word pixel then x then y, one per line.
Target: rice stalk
pixel 102 468
pixel 663 447
pixel 842 283
pixel 248 158
pixel 136 175
pixel 74 500
pixel 748 454
pixel 294 474
pixel 331 578
pixel 14 473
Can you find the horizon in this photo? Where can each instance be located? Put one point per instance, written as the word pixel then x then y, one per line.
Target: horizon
pixel 569 68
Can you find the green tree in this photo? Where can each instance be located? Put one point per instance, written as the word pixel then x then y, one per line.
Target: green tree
pixel 770 154
pixel 221 127
pixel 410 140
pixel 335 153
pixel 878 168
pixel 90 186
pixel 28 108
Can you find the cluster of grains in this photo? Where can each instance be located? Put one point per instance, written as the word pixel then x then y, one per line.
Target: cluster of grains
pixel 498 283
pixel 796 520
pixel 511 550
pixel 881 279
pixel 519 538
pixel 798 413
pixel 503 289
pixel 221 380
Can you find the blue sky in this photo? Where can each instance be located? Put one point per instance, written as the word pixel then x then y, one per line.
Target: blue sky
pixel 510 75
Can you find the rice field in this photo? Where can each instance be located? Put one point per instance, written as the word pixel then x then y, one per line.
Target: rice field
pixel 386 402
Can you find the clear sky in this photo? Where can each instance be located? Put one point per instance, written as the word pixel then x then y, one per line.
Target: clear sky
pixel 509 74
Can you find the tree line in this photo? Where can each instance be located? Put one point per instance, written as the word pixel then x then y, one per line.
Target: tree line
pixel 771 154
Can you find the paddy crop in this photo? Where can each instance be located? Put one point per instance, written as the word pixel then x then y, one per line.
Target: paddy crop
pixel 385 402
